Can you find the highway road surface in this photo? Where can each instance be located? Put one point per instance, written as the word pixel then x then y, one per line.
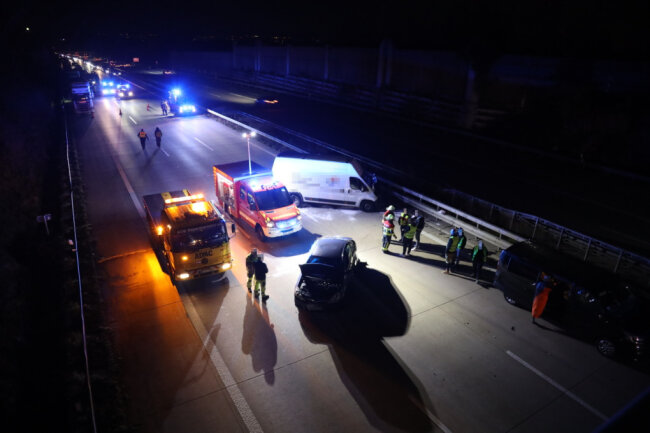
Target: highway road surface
pixel 413 350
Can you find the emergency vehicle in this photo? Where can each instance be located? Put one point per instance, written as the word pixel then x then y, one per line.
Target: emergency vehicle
pixel 179 104
pixel 191 233
pixel 124 91
pixel 252 196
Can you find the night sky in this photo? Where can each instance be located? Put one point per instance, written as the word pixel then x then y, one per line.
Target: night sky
pixel 598 29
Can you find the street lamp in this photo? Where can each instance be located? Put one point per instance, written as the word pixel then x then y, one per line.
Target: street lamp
pixel 247 136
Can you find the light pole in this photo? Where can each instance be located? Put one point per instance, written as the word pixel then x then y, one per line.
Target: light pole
pixel 247 136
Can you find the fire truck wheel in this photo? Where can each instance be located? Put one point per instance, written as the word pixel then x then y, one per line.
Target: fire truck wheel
pixel 260 233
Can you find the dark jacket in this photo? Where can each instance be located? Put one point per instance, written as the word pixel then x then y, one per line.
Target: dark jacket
pixel 260 270
pixel 419 223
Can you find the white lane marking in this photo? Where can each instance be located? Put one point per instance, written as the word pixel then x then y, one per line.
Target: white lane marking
pixel 236 396
pixel 203 143
pixel 219 364
pixel 558 386
pixel 163 151
pixel 129 188
pixel 133 120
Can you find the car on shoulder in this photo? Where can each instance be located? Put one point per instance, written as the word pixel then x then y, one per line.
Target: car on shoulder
pixel 585 302
pixel 326 276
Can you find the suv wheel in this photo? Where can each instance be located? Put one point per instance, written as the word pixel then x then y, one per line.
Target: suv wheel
pixel 509 299
pixel 606 347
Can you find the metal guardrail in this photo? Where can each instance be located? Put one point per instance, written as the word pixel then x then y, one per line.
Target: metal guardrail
pixel 81 296
pixel 633 267
pixel 455 217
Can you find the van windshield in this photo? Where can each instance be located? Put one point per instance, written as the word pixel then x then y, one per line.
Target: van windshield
pixel 273 198
pixel 195 238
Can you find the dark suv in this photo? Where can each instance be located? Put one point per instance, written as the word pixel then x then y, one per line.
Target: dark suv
pixel 587 302
pixel 325 278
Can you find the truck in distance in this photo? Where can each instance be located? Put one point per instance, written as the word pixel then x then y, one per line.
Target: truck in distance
pixel 255 198
pixel 191 233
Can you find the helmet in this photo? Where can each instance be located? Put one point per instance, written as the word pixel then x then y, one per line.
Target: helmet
pixel 391 207
pixel 452 232
pixel 390 217
pixel 460 230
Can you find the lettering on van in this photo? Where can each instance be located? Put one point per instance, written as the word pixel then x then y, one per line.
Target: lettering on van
pixel 202 254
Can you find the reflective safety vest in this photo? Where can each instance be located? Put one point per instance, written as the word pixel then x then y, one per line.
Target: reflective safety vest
pixel 142 134
pixel 452 244
pixel 388 231
pixel 480 254
pixel 411 233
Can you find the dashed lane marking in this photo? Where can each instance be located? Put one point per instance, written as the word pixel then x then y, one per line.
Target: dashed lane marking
pixel 204 144
pixel 562 389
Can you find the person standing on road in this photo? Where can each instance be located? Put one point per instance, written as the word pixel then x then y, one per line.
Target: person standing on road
pixel 418 220
pixel 158 134
pixel 542 290
pixel 462 240
pixel 163 107
pixel 479 257
pixel 388 231
pixel 260 277
pixel 450 251
pixel 407 239
pixel 403 222
pixel 143 138
pixel 251 258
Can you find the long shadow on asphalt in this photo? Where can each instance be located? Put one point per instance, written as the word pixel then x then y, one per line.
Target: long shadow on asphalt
pixel 388 393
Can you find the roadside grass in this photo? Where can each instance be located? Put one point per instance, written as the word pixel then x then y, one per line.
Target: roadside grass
pixel 43 381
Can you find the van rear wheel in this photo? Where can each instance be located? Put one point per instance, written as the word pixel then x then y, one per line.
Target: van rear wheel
pixel 297 199
pixel 367 206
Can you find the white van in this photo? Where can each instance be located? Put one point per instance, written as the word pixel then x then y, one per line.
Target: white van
pixel 327 179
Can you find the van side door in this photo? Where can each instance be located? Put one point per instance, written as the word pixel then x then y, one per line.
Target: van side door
pixel 358 191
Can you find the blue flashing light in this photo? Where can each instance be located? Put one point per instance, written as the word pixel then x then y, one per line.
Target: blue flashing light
pixel 176 92
pixel 187 108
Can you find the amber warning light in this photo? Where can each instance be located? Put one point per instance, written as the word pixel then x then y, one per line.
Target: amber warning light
pixel 185 198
